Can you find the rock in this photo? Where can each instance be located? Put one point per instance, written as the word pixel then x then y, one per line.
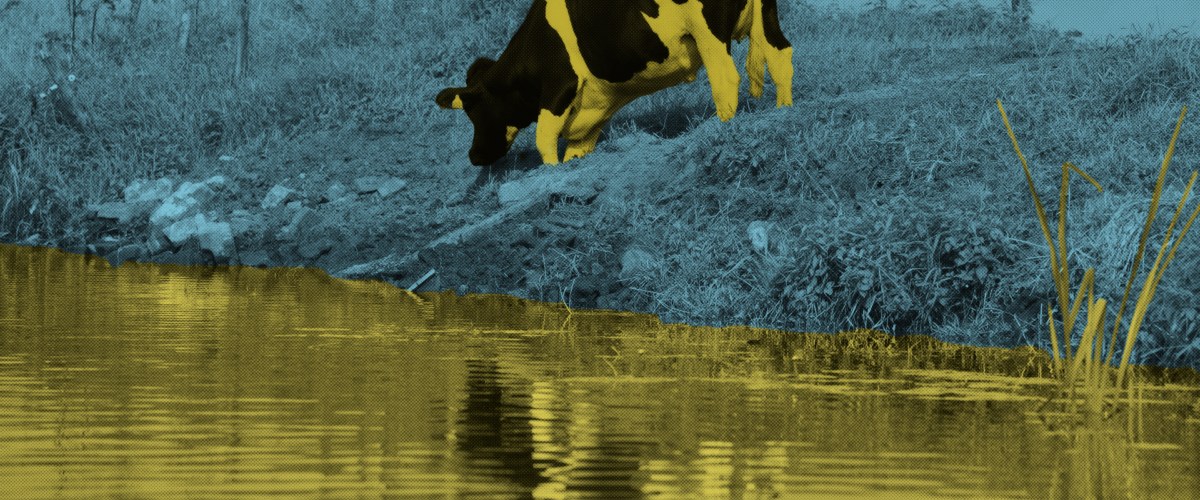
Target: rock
pixel 315 249
pixel 122 254
pixel 257 258
pixel 639 260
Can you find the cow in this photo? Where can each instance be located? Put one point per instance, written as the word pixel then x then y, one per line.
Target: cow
pixel 572 64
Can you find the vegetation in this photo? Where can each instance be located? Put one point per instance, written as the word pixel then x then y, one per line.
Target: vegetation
pixel 1088 364
pixel 890 181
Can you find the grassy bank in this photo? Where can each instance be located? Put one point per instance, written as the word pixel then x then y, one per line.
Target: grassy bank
pixel 891 181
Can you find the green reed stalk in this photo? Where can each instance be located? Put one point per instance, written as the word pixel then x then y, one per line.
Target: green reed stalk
pixel 1092 342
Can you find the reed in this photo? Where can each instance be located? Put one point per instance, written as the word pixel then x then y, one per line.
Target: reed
pixel 1089 364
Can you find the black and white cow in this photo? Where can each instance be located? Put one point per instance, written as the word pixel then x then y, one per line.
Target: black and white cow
pixel 573 63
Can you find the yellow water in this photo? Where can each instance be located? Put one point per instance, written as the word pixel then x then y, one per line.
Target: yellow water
pixel 160 382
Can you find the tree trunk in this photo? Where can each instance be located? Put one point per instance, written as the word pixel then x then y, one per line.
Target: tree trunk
pixel 95 12
pixel 71 12
pixel 135 6
pixel 62 94
pixel 241 66
pixel 1022 9
pixel 191 9
pixel 185 29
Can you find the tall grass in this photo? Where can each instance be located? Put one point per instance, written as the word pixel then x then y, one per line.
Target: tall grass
pixel 1088 364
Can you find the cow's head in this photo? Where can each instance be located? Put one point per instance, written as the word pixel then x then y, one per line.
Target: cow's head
pixel 498 114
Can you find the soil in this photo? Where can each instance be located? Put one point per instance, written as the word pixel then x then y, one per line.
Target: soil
pixel 443 220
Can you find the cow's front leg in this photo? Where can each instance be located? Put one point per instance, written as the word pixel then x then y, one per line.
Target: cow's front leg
pixel 549 127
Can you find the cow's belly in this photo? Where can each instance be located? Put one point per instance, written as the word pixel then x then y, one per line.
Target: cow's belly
pixel 683 63
pixel 599 99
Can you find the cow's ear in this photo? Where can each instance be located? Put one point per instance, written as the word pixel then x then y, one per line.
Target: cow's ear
pixel 452 98
pixel 478 68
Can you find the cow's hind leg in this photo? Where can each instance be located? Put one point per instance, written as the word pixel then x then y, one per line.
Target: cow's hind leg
pixel 767 42
pixel 756 57
pixel 682 18
pixel 780 64
pixel 755 62
pixel 722 73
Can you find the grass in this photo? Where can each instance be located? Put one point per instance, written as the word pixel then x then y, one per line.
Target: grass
pixel 1088 364
pixel 887 180
pixel 1087 370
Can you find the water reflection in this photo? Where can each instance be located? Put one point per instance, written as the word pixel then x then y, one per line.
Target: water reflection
pixel 169 382
pixel 493 431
